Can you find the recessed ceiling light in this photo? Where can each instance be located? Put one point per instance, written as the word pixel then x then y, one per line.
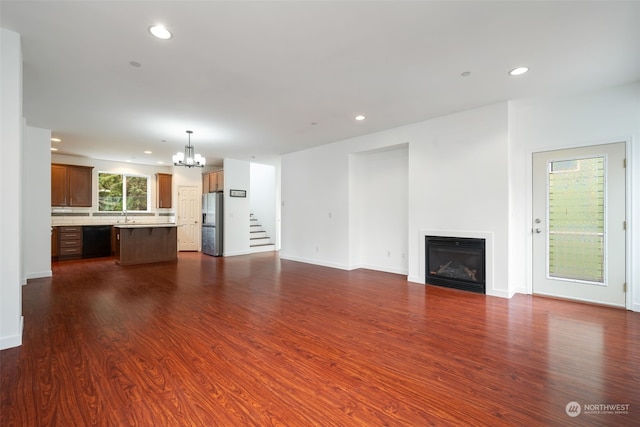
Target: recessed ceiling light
pixel 518 71
pixel 54 149
pixel 465 73
pixel 56 140
pixel 360 117
pixel 160 32
pixel 160 162
pixel 147 152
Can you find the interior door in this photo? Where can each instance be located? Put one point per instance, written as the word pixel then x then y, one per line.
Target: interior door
pixel 188 218
pixel 579 249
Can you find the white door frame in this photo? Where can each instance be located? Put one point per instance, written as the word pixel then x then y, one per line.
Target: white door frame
pixel 633 234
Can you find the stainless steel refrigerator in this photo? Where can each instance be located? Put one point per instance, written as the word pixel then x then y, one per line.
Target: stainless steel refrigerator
pixel 212 215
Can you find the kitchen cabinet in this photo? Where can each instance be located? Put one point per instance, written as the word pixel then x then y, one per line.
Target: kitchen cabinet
pixel 213 181
pixel 59 185
pixel 115 247
pixel 71 185
pixel 144 244
pixel 219 181
pixel 163 190
pixel 54 242
pixel 69 242
pixel 205 183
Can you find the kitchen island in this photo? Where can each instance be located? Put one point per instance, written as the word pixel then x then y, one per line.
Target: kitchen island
pixel 145 243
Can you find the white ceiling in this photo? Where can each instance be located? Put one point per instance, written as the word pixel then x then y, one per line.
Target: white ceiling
pixel 255 80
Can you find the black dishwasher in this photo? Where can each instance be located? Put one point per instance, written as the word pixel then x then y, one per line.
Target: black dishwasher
pixel 96 241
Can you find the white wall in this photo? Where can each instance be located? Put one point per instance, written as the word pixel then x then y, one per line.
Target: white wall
pixel 469 174
pixel 379 209
pixel 457 182
pixel 236 209
pixel 11 150
pixel 184 177
pixel 37 203
pixel 263 197
pixel 458 186
pixel 278 205
pixel 315 206
pixel 604 116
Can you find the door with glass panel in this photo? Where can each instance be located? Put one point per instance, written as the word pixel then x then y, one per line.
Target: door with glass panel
pixel 579 224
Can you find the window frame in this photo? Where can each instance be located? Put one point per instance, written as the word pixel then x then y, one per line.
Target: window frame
pixel 124 177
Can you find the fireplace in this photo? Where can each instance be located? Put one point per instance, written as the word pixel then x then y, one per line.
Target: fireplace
pixel 455 262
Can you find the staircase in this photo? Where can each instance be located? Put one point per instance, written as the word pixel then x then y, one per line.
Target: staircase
pixel 258 239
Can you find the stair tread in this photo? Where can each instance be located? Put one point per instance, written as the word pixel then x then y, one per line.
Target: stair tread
pixel 264 241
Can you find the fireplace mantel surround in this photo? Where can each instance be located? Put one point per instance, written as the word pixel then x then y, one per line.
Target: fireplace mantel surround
pixel 489 255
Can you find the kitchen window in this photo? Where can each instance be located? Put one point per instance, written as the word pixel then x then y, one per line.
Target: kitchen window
pixel 121 192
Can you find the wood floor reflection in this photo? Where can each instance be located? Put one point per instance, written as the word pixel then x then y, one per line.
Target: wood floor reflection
pixel 255 340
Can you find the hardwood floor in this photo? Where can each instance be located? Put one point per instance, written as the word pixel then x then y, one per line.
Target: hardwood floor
pixel 254 340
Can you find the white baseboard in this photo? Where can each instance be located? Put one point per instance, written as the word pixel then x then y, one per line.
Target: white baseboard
pixel 13 340
pixel 39 274
pixel 500 294
pixel 238 253
pixel 316 262
pixel 416 279
pixel 383 269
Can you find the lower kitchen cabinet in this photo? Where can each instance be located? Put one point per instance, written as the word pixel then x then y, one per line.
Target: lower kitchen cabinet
pixel 74 242
pixel 145 244
pixel 69 242
pixel 54 242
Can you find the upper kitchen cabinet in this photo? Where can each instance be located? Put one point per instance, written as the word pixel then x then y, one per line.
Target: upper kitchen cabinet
pixel 59 185
pixel 219 180
pixel 163 187
pixel 213 181
pixel 71 185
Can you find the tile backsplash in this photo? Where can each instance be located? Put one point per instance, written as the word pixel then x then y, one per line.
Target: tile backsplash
pixel 66 216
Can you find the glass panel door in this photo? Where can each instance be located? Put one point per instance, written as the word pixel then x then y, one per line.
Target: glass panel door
pixel 578 234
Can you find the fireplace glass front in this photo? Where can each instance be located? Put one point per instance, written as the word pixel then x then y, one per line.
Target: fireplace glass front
pixel 455 262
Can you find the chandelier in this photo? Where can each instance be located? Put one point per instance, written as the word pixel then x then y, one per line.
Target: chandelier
pixel 188 158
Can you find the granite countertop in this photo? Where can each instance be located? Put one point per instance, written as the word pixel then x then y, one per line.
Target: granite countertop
pixel 158 225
